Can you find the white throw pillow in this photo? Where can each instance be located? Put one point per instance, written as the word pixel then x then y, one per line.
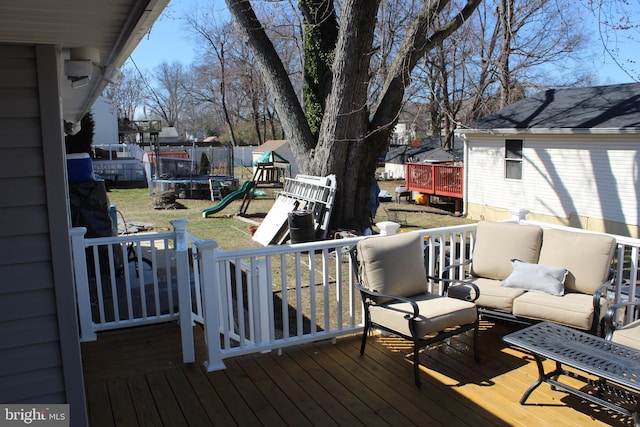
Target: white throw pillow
pixel 536 277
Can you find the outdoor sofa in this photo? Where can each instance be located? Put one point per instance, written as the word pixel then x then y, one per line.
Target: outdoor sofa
pixel 620 332
pixel 526 273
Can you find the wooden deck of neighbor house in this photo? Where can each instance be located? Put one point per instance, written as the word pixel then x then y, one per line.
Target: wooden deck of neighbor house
pixel 435 179
pixel 136 377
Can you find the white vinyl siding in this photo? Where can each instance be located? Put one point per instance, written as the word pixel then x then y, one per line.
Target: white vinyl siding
pixel 562 176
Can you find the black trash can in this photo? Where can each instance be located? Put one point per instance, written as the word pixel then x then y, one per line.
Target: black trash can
pixel 301 226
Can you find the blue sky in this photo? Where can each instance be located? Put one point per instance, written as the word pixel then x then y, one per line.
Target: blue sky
pixel 169 41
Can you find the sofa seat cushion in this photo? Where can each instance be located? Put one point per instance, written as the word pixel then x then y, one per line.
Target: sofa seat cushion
pixel 436 314
pixel 497 243
pixel 492 294
pixel 572 309
pixel 628 335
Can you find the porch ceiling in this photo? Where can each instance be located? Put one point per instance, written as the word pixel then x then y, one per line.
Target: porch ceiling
pixel 112 27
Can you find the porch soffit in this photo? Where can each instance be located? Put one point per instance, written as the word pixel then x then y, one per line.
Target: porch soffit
pixel 113 27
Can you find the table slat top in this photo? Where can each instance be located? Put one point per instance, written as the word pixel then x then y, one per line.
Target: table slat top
pixel 589 353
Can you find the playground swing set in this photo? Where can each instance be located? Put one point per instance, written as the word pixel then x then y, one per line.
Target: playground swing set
pixel 271 171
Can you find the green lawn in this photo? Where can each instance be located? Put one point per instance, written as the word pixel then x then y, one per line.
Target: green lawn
pixel 135 205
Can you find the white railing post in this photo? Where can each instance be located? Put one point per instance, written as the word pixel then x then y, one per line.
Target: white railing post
pixel 631 292
pixel 518 215
pixel 83 297
pixel 184 290
pixel 264 294
pixel 211 313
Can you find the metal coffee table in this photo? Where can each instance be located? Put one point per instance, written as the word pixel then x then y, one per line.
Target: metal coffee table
pixel 613 364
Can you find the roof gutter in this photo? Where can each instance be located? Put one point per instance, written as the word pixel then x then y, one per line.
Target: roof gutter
pixel 549 131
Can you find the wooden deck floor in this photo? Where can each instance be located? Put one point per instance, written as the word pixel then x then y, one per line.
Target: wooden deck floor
pixel 136 377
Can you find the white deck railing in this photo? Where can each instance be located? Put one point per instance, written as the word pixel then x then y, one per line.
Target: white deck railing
pixel 292 294
pixel 134 280
pixel 252 300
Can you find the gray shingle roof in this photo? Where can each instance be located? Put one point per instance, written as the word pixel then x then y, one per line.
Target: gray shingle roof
pixel 614 106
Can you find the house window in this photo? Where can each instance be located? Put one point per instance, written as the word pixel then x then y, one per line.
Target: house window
pixel 513 158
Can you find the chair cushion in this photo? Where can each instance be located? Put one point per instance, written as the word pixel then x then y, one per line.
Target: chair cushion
pixel 586 256
pixel 393 265
pixel 536 277
pixel 628 335
pixel 436 314
pixel 497 243
pixel 572 309
pixel 492 294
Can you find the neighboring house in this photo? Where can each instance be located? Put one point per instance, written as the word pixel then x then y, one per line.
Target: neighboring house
pixel 243 155
pixel 105 118
pixel 118 164
pixel 428 150
pixel 281 148
pixel 403 134
pixel 55 60
pixel 211 141
pixel 569 156
pixel 168 136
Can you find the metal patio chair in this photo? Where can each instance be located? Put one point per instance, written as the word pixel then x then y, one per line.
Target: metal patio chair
pixel 394 288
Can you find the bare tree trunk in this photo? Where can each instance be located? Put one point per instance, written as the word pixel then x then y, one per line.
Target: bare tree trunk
pixel 352 136
pixel 484 78
pixel 255 113
pixel 271 122
pixel 276 79
pixel 363 154
pixel 227 118
pixel 320 35
pixel 345 133
pixel 445 100
pixel 505 14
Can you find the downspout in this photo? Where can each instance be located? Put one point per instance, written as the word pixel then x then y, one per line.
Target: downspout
pixel 465 174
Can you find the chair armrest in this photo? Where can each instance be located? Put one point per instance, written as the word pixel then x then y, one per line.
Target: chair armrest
pixel 369 297
pixel 447 283
pixel 610 319
pixel 597 296
pixel 453 283
pixel 456 265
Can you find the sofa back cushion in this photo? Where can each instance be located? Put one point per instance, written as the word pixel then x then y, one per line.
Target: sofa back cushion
pixel 497 243
pixel 586 256
pixel 393 265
